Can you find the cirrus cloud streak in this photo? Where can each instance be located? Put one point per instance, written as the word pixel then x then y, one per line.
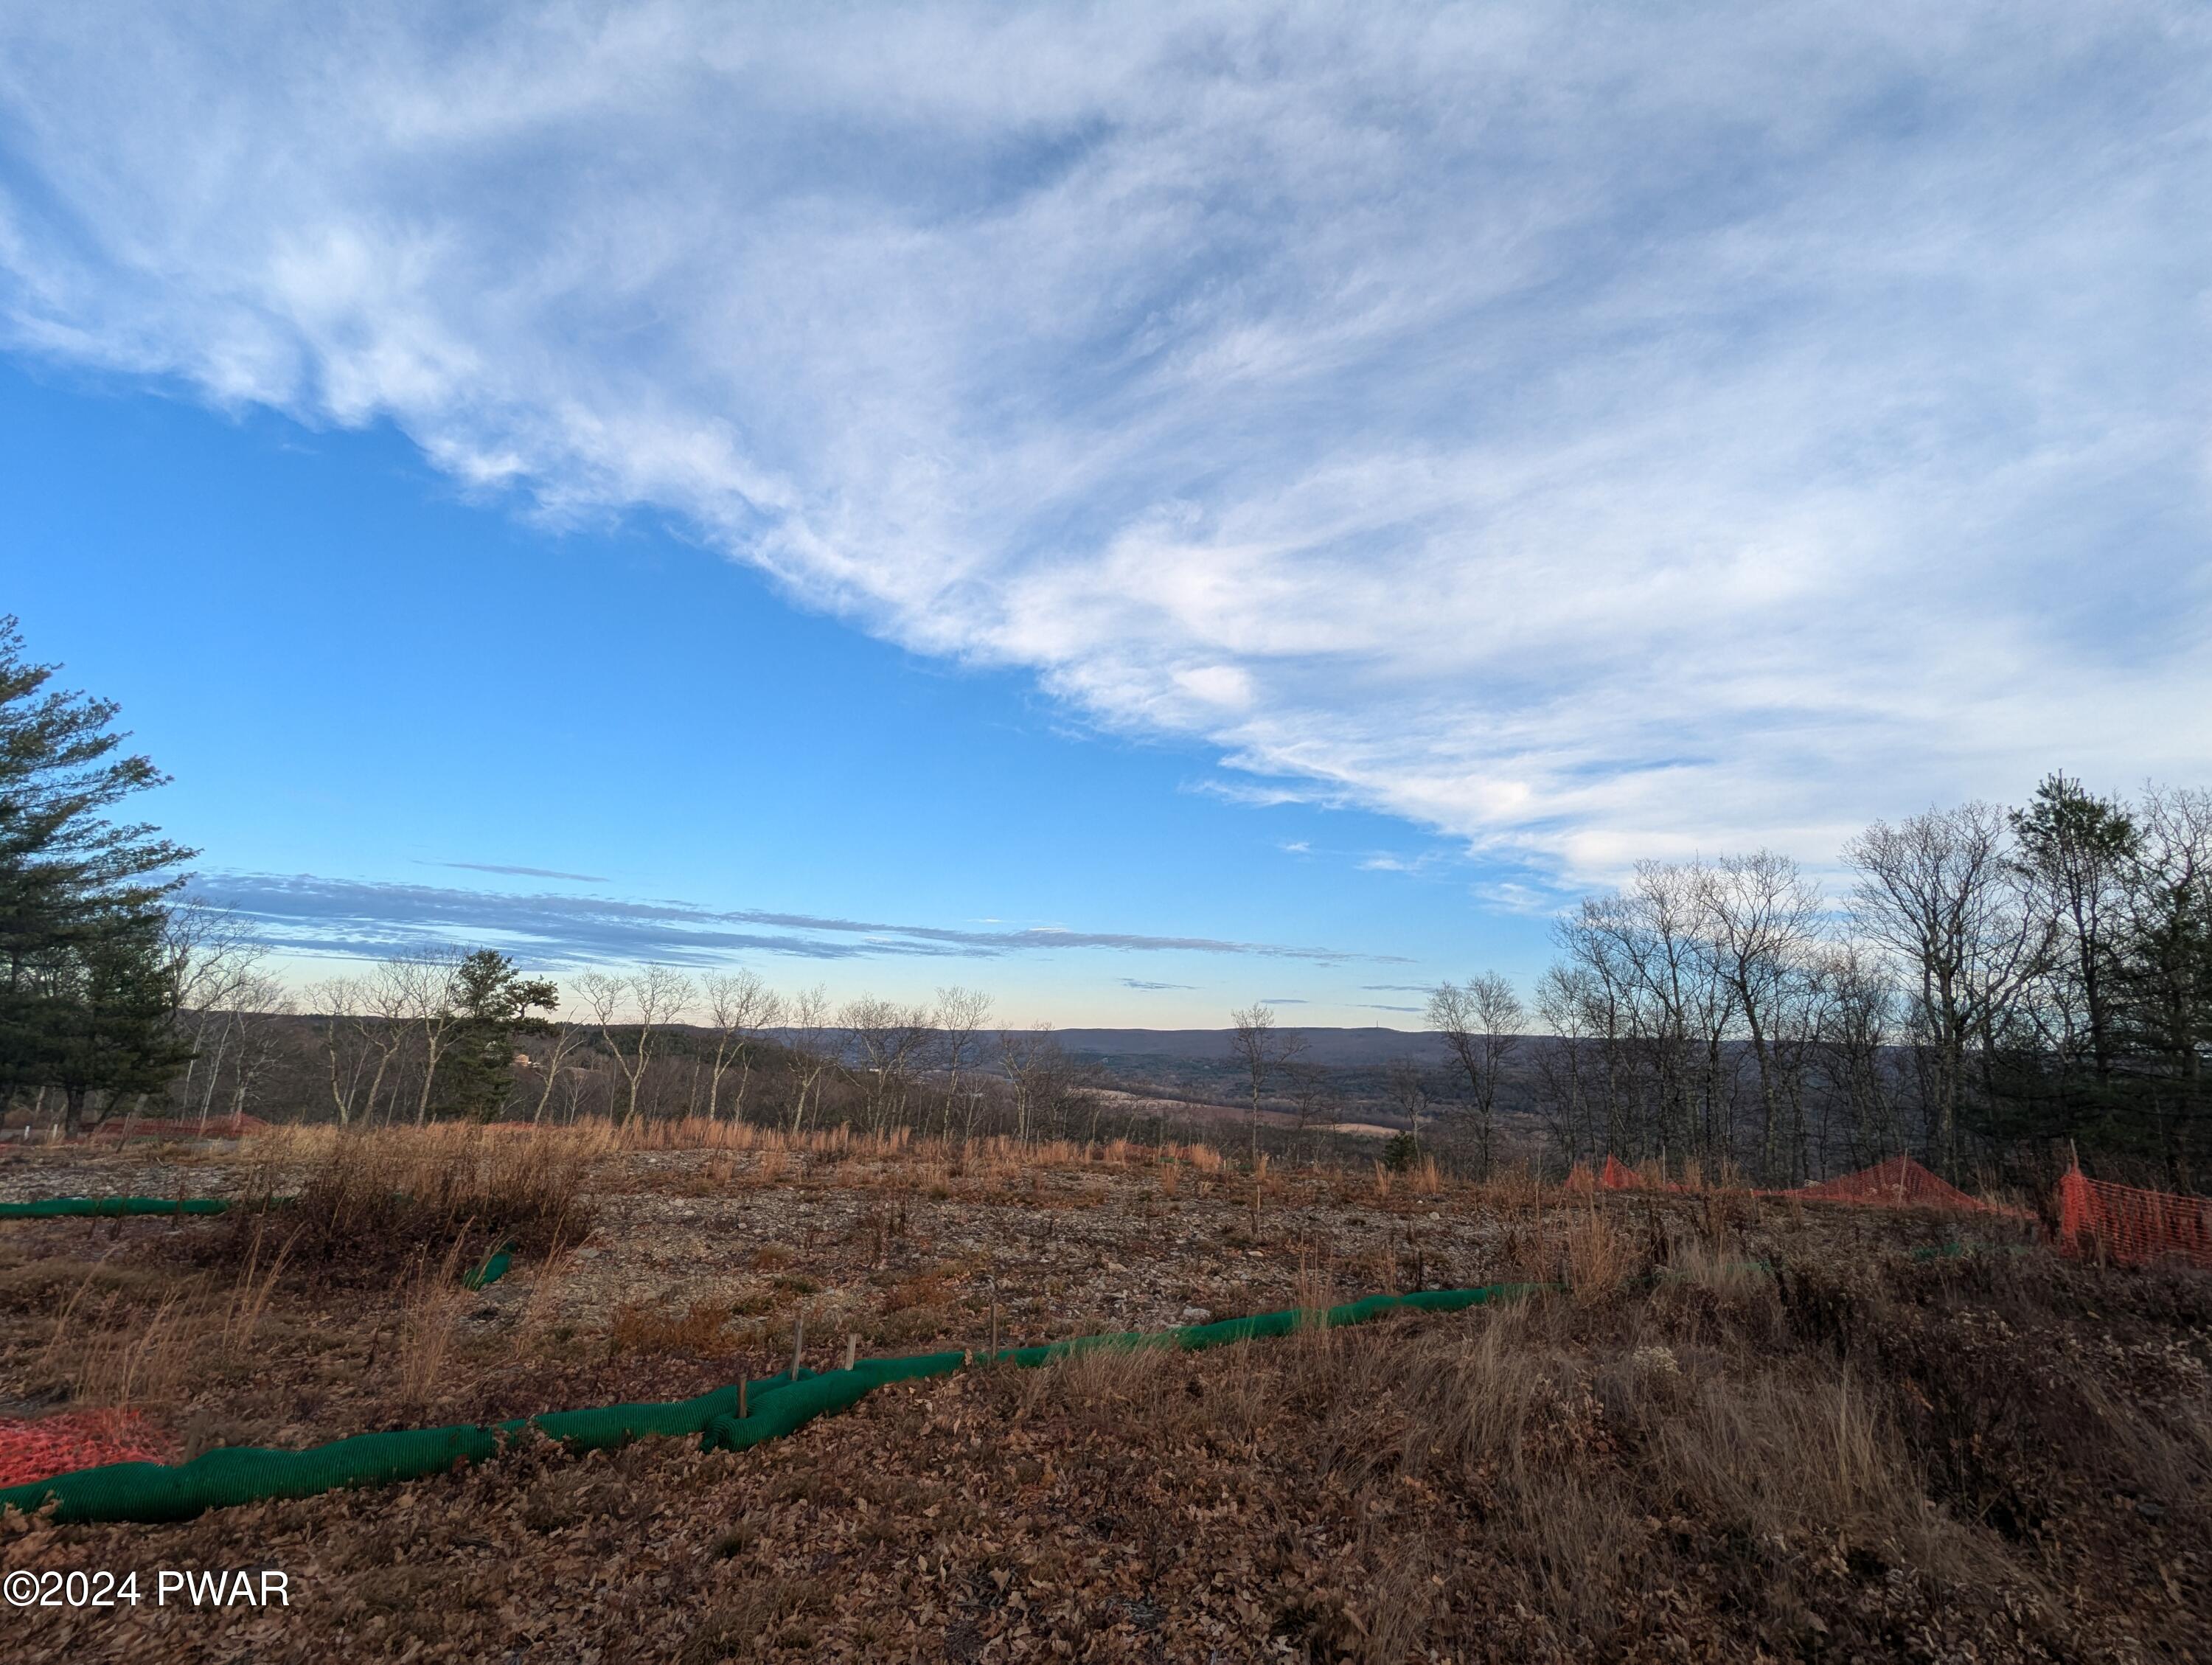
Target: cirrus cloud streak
pixel 1590 436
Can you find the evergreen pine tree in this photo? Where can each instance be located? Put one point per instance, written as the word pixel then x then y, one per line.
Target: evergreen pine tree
pixel 84 1005
pixel 493 1003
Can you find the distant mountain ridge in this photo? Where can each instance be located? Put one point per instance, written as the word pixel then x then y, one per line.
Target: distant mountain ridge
pixel 1340 1049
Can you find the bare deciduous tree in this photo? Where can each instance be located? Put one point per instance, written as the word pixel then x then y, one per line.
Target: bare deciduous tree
pixel 1480 1021
pixel 1937 893
pixel 2165 976
pixel 426 987
pixel 632 1015
pixel 811 1049
pixel 1407 1084
pixel 1569 1090
pixel 264 1005
pixel 1762 920
pixel 350 1039
pixel 386 996
pixel 211 957
pixel 1263 1049
pixel 888 1039
pixel 563 1037
pixel 739 1006
pixel 960 1015
pixel 1034 1066
pixel 1315 1098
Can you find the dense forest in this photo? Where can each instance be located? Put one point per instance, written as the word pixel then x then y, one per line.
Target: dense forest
pixel 1993 988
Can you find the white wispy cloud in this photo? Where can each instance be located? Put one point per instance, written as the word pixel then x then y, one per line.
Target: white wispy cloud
pixel 1592 440
pixel 518 872
pixel 338 918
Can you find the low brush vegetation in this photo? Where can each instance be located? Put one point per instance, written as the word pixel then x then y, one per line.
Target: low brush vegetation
pixel 1735 1428
pixel 359 1208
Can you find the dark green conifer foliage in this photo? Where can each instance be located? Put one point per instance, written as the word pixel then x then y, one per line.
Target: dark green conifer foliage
pixel 493 1004
pixel 85 1001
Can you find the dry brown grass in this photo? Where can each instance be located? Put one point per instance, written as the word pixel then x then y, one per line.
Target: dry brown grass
pixel 700 1329
pixel 429 1324
pixel 1512 1191
pixel 136 1361
pixel 138 1337
pixel 370 1203
pixel 1584 1458
pixel 1718 1267
pixel 1858 1458
pixel 534 1326
pixel 1596 1257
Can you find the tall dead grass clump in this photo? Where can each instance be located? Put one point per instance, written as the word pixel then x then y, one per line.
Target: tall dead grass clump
pixel 369 1202
pixel 1597 1257
pixel 1794 1456
pixel 535 1325
pixel 247 1300
pixel 1532 1253
pixel 1717 1266
pixel 147 1359
pixel 1578 1440
pixel 429 1324
pixel 1510 1191
pixel 114 1353
pixel 1113 1374
pixel 1311 1368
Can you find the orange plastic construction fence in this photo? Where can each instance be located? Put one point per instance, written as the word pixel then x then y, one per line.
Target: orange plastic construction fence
pixel 1900 1182
pixel 1616 1175
pixel 36 1450
pixel 2131 1226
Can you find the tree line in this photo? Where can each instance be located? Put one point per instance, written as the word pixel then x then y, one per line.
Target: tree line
pixel 1992 985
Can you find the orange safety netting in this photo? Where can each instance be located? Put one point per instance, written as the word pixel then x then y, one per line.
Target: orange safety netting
pixel 1900 1182
pixel 1617 1177
pixel 35 1450
pixel 2132 1227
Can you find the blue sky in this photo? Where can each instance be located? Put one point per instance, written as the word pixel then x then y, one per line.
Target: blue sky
pixel 373 695
pixel 1286 495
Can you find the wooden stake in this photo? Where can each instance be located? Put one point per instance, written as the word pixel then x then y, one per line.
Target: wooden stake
pixel 995 1329
pixel 798 1341
pixel 852 1348
pixel 741 1411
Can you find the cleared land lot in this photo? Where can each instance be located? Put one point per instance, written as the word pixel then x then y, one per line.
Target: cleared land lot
pixel 1855 1453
